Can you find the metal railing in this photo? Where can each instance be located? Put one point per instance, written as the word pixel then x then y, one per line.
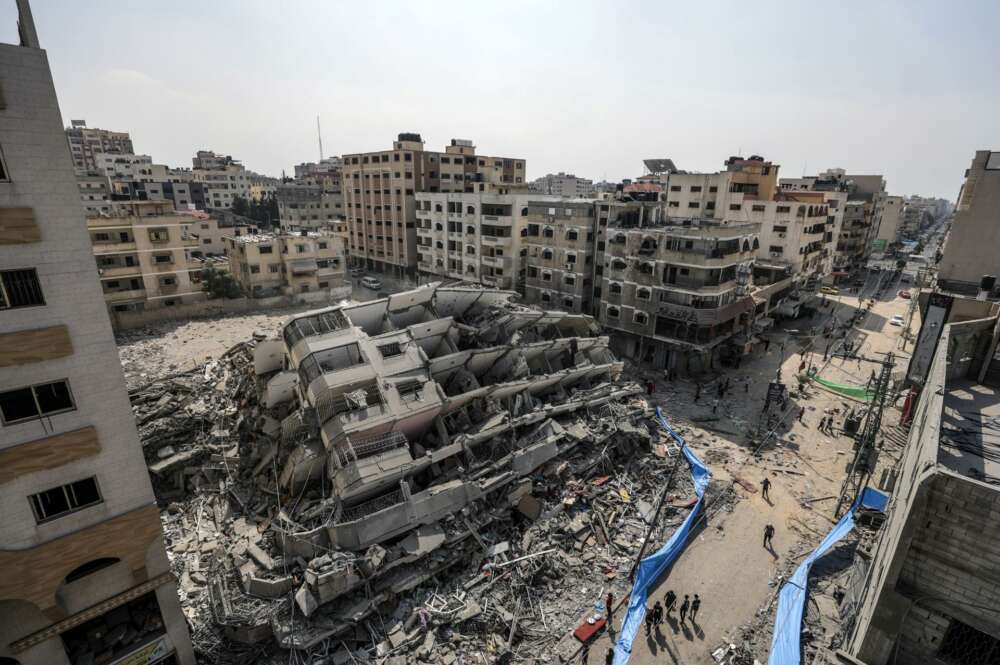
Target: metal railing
pixel 361 510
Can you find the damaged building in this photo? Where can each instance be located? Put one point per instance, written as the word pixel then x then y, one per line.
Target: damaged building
pixel 377 445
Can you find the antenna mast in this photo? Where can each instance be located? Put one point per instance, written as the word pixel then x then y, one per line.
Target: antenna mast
pixel 319 135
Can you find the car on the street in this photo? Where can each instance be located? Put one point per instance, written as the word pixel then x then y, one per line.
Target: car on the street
pixel 373 283
pixel 905 295
pixel 896 320
pixel 357 272
pixel 829 290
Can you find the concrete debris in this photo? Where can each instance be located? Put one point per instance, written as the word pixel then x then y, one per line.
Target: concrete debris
pixel 445 476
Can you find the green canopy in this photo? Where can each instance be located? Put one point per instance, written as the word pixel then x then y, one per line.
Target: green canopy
pixel 860 393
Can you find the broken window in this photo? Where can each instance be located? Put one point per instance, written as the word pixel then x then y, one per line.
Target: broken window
pixel 20 288
pixel 964 645
pixel 640 317
pixel 65 499
pixel 44 399
pixel 613 312
pixel 317 324
pixel 390 350
pixel 410 391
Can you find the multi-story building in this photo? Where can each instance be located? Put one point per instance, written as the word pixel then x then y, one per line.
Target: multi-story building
pixel 563 184
pixel 475 237
pixel 932 588
pixel 95 193
pixel 915 219
pixel 560 244
pixel 676 291
pixel 308 206
pixel 85 574
pixel 329 167
pixel 970 251
pixel 222 179
pixel 379 190
pixel 145 255
pixel 891 225
pixel 268 264
pixel 86 143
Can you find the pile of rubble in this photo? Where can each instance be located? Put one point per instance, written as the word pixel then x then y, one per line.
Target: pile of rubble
pixel 309 527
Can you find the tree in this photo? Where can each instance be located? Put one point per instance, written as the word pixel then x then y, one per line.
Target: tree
pixel 240 206
pixel 220 284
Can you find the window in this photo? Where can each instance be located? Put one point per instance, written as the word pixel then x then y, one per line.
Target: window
pixel 776 249
pixel 695 188
pixel 782 209
pixel 613 312
pixel 546 297
pixel 254 270
pixel 571 258
pixel 548 232
pixel 675 188
pixel 20 288
pixel 713 189
pixel 735 206
pixel 547 254
pixel 570 280
pixel 640 317
pixel 43 399
pixel 572 234
pixel 273 268
pixel 322 245
pixel 643 294
pixel 615 288
pixel 546 276
pixel 390 350
pixel 964 645
pixel 266 249
pixel 163 258
pixel 758 208
pixel 674 204
pixel 65 499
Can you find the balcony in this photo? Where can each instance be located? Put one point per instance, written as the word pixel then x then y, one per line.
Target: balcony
pixel 122 296
pixel 113 247
pixel 495 261
pixel 165 266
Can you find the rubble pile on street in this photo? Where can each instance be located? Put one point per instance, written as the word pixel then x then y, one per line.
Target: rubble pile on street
pixel 506 572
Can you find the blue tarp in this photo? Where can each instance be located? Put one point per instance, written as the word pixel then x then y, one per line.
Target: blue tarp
pixel 786 648
pixel 652 567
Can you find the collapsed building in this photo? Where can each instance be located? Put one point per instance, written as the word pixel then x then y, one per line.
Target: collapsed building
pixel 374 446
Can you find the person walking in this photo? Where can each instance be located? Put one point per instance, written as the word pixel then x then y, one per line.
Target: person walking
pixel 585 653
pixel 609 657
pixel 610 600
pixel 767 344
pixel 697 392
pixel 715 406
pixel 684 608
pixel 768 535
pixel 649 620
pixel 650 386
pixel 766 485
pixel 671 600
pixel 657 613
pixel 746 386
pixel 695 606
pixel 802 413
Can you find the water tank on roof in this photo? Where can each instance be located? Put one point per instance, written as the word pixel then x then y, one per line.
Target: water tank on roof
pixel 410 136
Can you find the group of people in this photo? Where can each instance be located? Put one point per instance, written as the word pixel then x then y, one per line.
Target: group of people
pixel 826 425
pixel 688 608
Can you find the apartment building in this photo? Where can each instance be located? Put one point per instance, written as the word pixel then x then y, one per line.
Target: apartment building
pixel 95 194
pixel 329 167
pixel 86 143
pixel 970 251
pixel 932 587
pixel 305 206
pixel 380 187
pixel 563 184
pixel 85 574
pixel 797 227
pixel 560 247
pixel 476 237
pixel 676 292
pixel 890 227
pixel 221 179
pixel 267 264
pixel 145 253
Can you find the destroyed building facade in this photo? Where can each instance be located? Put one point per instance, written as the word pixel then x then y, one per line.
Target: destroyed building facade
pixel 269 264
pixel 85 577
pixel 933 588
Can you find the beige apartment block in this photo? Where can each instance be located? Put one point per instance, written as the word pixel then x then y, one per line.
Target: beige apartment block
pixel 307 206
pixel 560 248
pixel 379 190
pixel 973 246
pixel 476 237
pixel 563 184
pixel 145 256
pixel 222 177
pixel 86 143
pixel 678 293
pixel 81 546
pixel 268 264
pixel 891 225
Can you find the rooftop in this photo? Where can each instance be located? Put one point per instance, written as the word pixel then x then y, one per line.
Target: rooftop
pixel 970 430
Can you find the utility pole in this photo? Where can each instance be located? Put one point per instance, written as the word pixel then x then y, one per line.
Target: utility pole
pixel 864 459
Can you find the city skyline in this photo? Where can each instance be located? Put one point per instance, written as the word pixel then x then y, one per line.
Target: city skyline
pixel 865 95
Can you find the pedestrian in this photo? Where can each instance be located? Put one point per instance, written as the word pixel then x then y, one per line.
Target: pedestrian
pixel 715 406
pixel 746 386
pixel 671 600
pixel 739 359
pixel 768 534
pixel 649 387
pixel 767 344
pixel 611 606
pixel 802 413
pixel 822 424
pixel 657 613
pixel 649 620
pixel 609 657
pixel 695 606
pixel 684 607
pixel 585 654
pixel 697 392
pixel 766 485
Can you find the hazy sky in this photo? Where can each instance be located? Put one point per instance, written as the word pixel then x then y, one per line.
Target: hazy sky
pixel 908 89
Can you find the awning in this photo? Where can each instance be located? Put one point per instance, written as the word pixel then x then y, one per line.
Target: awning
pixel 304 266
